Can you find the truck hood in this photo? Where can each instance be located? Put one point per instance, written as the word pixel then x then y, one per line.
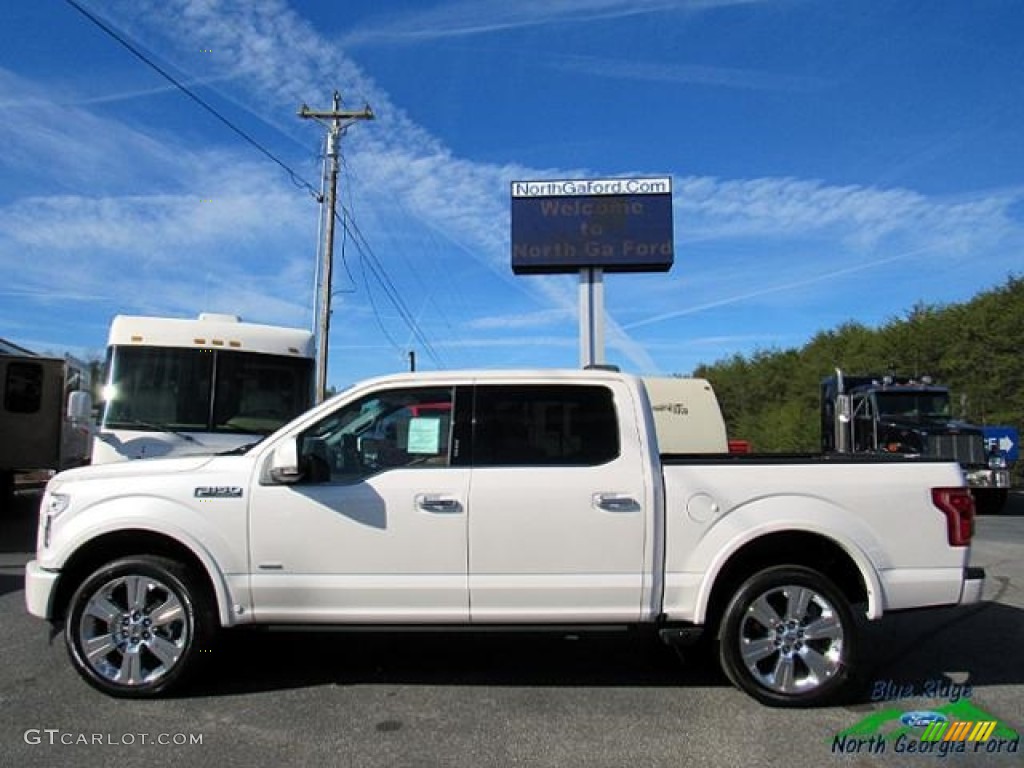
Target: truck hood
pixel 124 470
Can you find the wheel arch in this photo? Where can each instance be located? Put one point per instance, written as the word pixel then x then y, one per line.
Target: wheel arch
pixel 115 545
pixel 852 574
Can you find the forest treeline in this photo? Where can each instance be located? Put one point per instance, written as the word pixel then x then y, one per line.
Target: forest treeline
pixel 975 348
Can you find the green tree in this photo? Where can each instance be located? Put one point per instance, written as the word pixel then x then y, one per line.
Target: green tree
pixel 975 348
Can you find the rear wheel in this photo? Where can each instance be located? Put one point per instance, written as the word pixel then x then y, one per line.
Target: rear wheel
pixel 136 626
pixel 788 638
pixel 990 501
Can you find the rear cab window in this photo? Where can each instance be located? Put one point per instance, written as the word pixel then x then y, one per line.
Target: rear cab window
pixel 544 425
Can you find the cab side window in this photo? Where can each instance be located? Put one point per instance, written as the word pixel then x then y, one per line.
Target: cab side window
pixel 386 430
pixel 544 425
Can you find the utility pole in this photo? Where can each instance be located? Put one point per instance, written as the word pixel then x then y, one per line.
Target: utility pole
pixel 338 120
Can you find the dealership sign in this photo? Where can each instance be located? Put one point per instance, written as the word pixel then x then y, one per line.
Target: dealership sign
pixel 618 225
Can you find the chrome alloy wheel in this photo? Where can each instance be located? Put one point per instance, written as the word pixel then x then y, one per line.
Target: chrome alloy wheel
pixel 133 630
pixel 791 639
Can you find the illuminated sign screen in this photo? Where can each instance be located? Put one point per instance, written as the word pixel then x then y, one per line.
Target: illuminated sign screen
pixel 619 225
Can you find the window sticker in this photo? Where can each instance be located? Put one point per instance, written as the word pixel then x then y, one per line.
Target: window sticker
pixel 424 435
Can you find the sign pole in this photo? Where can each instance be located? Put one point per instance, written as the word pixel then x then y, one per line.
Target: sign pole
pixel 591 316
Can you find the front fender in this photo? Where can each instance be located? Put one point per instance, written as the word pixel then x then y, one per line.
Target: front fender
pixel 217 540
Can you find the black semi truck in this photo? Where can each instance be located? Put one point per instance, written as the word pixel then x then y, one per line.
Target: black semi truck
pixel 911 416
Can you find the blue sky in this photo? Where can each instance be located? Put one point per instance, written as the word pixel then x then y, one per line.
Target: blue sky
pixel 831 162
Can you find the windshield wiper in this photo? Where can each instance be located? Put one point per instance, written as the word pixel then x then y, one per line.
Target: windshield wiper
pixel 239 450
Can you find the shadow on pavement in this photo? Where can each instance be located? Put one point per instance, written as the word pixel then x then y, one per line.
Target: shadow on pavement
pixel 18 522
pixel 978 645
pixel 1014 504
pixel 919 651
pixel 251 661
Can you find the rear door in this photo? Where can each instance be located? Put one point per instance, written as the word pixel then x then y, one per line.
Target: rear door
pixel 557 505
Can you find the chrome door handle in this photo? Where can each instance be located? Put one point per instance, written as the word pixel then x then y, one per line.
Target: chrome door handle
pixel 613 502
pixel 437 504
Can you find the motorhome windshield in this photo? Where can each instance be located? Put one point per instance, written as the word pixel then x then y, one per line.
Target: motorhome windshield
pixel 203 390
pixel 925 405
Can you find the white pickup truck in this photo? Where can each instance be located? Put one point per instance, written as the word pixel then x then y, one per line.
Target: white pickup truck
pixel 497 499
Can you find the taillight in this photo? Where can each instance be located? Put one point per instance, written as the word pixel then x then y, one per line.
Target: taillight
pixel 957 505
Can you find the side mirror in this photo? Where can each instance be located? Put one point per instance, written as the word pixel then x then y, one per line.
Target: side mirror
pixel 79 407
pixel 284 463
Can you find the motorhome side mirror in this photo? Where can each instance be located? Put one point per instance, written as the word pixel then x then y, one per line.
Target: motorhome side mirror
pixel 284 463
pixel 79 407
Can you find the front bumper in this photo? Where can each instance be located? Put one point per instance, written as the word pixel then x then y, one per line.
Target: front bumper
pixel 40 586
pixel 974 583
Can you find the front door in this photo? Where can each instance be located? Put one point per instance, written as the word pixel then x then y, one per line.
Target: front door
pixel 376 529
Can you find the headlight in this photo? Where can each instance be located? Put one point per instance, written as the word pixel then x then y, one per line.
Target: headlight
pixel 56 503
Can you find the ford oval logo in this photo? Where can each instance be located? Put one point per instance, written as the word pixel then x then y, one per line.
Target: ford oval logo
pixel 921 719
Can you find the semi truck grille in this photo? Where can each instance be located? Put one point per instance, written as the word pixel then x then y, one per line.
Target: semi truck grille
pixel 965 449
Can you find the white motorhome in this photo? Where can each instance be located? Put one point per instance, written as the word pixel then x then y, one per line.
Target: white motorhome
pixel 192 386
pixel 687 417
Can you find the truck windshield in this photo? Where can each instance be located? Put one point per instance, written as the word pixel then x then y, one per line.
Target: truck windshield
pixel 925 405
pixel 203 390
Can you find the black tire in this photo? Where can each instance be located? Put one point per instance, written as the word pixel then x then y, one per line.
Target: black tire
pixel 137 626
pixel 789 638
pixel 990 501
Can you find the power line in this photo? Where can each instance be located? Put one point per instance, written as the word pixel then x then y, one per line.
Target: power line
pixel 428 286
pixel 378 270
pixel 344 261
pixel 373 306
pixel 383 278
pixel 293 175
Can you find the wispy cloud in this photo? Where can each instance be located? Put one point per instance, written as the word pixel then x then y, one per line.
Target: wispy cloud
pixel 88 147
pixel 782 287
pixel 251 249
pixel 156 226
pixel 281 58
pixel 711 208
pixel 483 17
pixel 138 93
pixel 680 74
pixel 526 320
pixel 283 61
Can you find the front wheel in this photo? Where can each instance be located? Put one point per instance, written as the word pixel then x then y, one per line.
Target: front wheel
pixel 788 638
pixel 136 626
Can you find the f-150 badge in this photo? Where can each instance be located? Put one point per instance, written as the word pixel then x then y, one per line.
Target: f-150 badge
pixel 218 492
